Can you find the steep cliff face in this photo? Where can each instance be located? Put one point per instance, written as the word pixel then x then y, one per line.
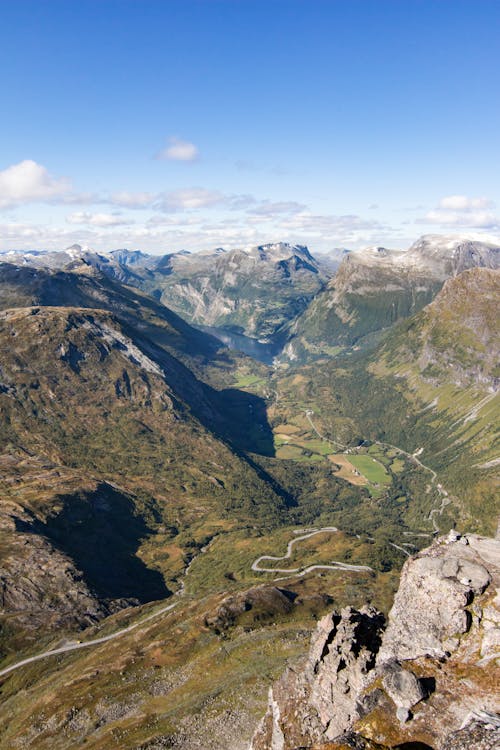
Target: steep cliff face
pixel 40 586
pixel 427 680
pixel 256 292
pixel 376 287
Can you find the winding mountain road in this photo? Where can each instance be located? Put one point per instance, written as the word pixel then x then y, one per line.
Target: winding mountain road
pixel 256 566
pixel 76 645
pixel 86 644
pixel 297 572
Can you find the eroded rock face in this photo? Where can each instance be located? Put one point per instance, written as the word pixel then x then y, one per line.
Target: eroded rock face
pixel 340 671
pixel 429 678
pixel 430 608
pixel 482 732
pixel 320 698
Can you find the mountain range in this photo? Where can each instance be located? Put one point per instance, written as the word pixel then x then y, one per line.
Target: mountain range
pixel 214 503
pixel 279 294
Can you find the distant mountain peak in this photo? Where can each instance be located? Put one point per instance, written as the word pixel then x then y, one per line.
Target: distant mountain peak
pixel 128 257
pixel 374 255
pixel 448 255
pixel 77 251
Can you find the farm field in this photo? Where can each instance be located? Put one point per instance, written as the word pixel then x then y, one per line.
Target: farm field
pixel 347 470
pixel 372 469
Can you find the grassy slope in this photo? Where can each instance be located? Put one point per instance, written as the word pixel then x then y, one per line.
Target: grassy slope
pixel 175 677
pixel 87 431
pixel 78 402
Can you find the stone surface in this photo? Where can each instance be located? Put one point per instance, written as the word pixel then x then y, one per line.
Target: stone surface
pixel 402 714
pixel 320 699
pixel 403 687
pixel 478 734
pixel 429 612
pixel 340 673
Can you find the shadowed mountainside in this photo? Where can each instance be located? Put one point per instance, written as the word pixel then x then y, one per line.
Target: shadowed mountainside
pixel 101 531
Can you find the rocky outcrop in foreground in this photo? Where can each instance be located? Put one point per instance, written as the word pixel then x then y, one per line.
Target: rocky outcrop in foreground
pixel 427 679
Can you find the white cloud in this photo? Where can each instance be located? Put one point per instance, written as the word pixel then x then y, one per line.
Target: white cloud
pixel 476 219
pixel 270 209
pixel 462 211
pixel 194 232
pixel 463 203
pixel 132 200
pixel 189 199
pixel 179 150
pixel 240 202
pixel 173 220
pixel 97 220
pixel 331 223
pixel 86 199
pixel 17 233
pixel 197 218
pixel 29 182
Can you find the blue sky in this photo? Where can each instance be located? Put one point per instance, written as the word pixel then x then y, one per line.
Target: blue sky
pixel 173 124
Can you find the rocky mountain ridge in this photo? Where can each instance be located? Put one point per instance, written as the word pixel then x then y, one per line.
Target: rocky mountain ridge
pixel 281 294
pixel 440 255
pixel 428 677
pixel 255 292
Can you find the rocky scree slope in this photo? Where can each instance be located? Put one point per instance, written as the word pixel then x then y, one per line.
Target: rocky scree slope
pixel 40 586
pixel 376 287
pixel 428 677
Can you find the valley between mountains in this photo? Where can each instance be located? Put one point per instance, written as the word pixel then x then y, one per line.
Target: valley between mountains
pixel 177 515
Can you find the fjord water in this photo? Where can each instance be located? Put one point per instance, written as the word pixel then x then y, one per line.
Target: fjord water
pixel 263 352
